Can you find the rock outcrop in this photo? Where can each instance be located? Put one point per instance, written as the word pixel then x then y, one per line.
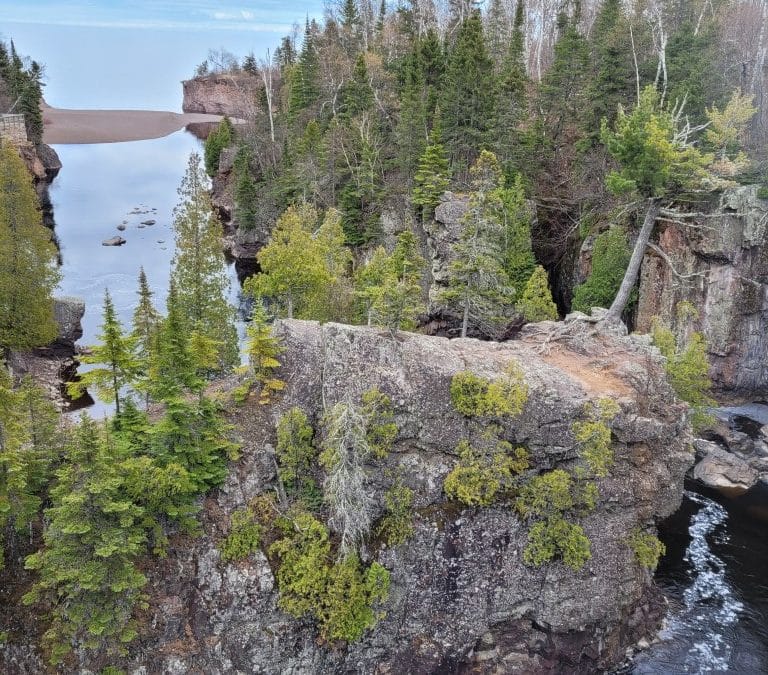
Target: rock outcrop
pixel 221 94
pixel 461 598
pixel 720 260
pixel 53 365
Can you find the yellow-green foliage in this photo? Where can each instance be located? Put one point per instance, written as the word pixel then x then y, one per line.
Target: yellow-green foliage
pixel 687 369
pixel 479 478
pixel 397 524
pixel 295 451
pixel 647 547
pixel 556 537
pixel 340 596
pixel 547 498
pixel 474 396
pixel 244 536
pixel 594 436
pixel 536 302
pixel 381 429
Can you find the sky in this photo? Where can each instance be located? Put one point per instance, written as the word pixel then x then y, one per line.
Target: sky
pixel 133 54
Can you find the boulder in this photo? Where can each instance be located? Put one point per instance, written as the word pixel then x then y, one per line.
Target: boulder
pixel 113 241
pixel 723 470
pixel 121 227
pixel 68 312
pixel 148 222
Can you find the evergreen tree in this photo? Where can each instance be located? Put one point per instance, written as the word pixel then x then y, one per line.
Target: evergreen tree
pixel 305 75
pixel 468 102
pixel 87 569
pixel 433 175
pixel 515 216
pixel 536 302
pixel 292 268
pixel 351 27
pixel 369 280
pixel 263 350
pixel 612 71
pixel 356 95
pixel 146 321
pixel 219 139
pixel 562 91
pixel 399 300
pixel 610 256
pixel 511 140
pixel 478 284
pixel 412 122
pixel 246 194
pixel 28 271
pixel 199 271
pixel 117 357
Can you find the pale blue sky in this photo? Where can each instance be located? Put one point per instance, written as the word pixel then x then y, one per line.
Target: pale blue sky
pixel 134 53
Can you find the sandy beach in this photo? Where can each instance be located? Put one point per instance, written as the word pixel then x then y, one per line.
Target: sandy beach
pixel 113 126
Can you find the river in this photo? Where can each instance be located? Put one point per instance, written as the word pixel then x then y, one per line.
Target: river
pixel 100 187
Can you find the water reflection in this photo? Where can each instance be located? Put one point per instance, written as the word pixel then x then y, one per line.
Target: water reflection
pixel 102 186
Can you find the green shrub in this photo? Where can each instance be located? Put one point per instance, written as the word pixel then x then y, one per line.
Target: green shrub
pixel 479 478
pixel 244 536
pixel 397 524
pixel 340 596
pixel 474 396
pixel 594 436
pixel 556 537
pixel 762 192
pixel 647 548
pixel 381 429
pixel 295 450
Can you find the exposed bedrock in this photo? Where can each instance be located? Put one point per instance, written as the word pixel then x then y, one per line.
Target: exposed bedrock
pixel 461 598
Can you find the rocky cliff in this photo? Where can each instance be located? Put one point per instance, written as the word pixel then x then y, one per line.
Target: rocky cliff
pixel 461 598
pixel 717 261
pixel 222 94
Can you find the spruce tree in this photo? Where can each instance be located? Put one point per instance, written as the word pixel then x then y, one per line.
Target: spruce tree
pixel 536 303
pixel 246 194
pixel 146 321
pixel 199 270
pixel 28 272
pixel 263 352
pixel 610 256
pixel 116 356
pixel 468 102
pixel 87 571
pixel 219 139
pixel 356 95
pixel 305 75
pixel 412 122
pixel 369 280
pixel 478 285
pixel 399 301
pixel 432 178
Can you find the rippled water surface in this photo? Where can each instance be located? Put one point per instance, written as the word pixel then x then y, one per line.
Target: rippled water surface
pixel 715 575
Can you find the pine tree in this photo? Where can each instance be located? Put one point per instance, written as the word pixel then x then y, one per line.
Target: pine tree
pixel 117 357
pixel 87 569
pixel 28 272
pixel 478 285
pixel 369 280
pixel 432 178
pixel 468 102
pixel 399 300
pixel 199 271
pixel 536 302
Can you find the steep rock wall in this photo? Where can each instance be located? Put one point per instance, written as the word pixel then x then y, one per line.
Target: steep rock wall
pixel 720 261
pixel 224 94
pixel 461 599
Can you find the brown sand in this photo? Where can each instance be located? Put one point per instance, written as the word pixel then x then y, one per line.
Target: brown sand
pixel 113 126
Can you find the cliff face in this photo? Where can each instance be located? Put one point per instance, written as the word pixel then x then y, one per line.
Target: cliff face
pixel 226 94
pixel 461 598
pixel 720 261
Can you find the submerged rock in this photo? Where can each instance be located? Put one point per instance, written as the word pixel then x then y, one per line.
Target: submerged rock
pixel 113 241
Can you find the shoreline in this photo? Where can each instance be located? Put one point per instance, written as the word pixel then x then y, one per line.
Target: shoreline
pixel 64 126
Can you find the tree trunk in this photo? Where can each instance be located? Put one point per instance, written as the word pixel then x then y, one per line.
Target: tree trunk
pixel 633 269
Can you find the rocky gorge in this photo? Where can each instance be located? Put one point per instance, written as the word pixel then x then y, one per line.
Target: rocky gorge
pixel 461 597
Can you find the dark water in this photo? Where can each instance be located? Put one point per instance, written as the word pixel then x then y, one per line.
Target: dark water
pixel 97 189
pixel 715 575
